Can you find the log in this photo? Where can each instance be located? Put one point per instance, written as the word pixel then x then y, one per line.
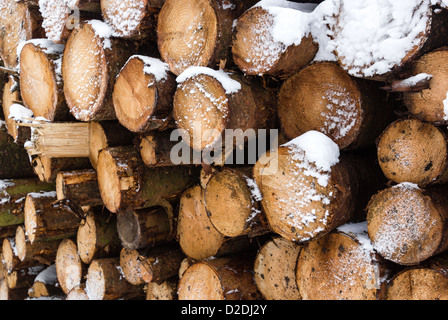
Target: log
pixel 22 278
pixel 225 278
pixel 10 258
pixel 47 169
pixel 11 294
pixel 407 224
pixel 424 282
pixel 274 269
pixel 79 187
pixel 325 98
pixel 41 86
pixel 97 235
pixel 156 147
pixel 196 33
pixel 404 156
pixel 46 284
pixel 308 188
pixel 166 290
pixel 14 160
pixel 13 193
pixel 258 48
pixel 20 23
pixel 60 17
pixel 42 252
pixel 428 104
pixel 154 264
pixel 90 63
pixel 143 94
pixel 419 29
pixel 341 266
pixel 70 270
pixel 107 134
pixel 105 282
pixel 209 102
pixel 141 228
pixel 232 200
pixel 11 95
pixel 126 183
pixel 132 19
pixel 197 236
pixel 78 293
pixel 46 218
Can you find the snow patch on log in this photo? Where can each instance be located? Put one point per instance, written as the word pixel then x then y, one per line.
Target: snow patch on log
pixel 130 17
pixel 48 275
pixel 48 47
pixel 154 66
pixel 104 31
pixel 372 37
pixel 315 147
pixel 230 86
pixel 54 14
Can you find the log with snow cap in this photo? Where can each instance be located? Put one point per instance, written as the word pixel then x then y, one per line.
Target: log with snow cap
pixel 274 38
pixel 408 224
pixel 342 265
pixel 92 59
pixel 41 86
pixel 143 94
pixel 404 154
pixel 132 19
pixel 60 17
pixel 308 188
pixel 364 45
pixel 207 102
pixel 324 97
pixel 20 23
pixel 197 32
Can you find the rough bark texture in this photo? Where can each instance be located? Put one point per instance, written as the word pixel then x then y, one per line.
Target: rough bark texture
pixel 47 169
pixel 79 186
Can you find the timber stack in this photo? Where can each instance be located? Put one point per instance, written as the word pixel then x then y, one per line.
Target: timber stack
pixel 223 150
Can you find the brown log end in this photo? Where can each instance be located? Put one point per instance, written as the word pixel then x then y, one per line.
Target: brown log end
pixel 69 267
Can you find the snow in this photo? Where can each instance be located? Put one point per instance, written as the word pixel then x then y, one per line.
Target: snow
pixel 154 66
pixel 54 14
pixel 230 86
pixel 124 17
pixel 19 113
pixel 47 46
pixel 102 30
pixel 48 275
pixel 320 150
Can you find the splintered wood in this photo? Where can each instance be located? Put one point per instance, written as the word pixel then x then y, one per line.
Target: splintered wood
pixel 223 150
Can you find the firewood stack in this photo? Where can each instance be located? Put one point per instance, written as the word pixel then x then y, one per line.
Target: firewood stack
pixel 344 197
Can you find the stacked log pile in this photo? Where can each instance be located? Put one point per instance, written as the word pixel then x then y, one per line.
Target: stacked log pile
pixel 118 180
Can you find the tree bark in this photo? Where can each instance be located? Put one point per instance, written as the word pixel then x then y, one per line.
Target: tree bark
pixel 225 278
pixel 19 23
pixel 79 186
pixel 232 201
pixel 13 193
pixel 274 269
pixel 197 33
pixel 341 266
pixel 105 281
pixel 41 85
pixel 126 183
pixel 324 97
pixel 47 169
pixel 154 264
pixel 47 219
pixel 256 51
pixel 405 156
pixel 408 224
pixel 70 269
pixel 90 65
pixel 143 94
pixel 141 228
pixel 97 236
pixel 204 108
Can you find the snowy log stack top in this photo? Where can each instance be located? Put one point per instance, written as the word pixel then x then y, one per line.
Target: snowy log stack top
pixel 117 180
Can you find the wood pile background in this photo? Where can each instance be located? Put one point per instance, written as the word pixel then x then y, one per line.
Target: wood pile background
pixel 92 206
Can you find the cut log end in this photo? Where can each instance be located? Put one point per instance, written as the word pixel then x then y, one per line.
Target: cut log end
pixel 86 84
pixel 201 111
pixel 200 282
pixel 187 33
pixel 69 267
pixel 109 181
